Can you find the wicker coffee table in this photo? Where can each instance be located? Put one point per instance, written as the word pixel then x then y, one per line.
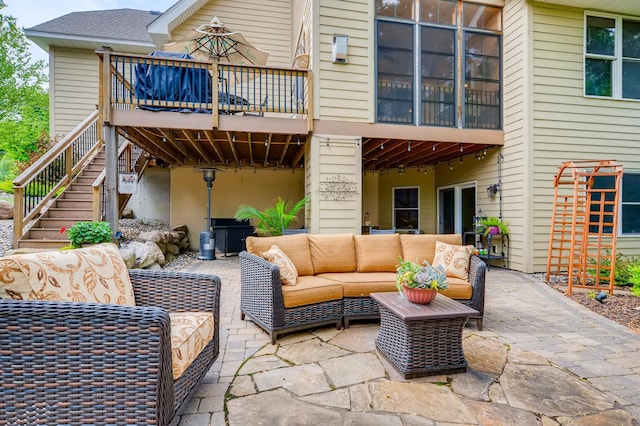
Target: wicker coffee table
pixel 422 340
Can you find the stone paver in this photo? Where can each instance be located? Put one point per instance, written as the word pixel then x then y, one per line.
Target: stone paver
pixel 541 359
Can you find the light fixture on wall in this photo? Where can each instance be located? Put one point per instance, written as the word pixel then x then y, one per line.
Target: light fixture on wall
pixel 493 189
pixel 339 48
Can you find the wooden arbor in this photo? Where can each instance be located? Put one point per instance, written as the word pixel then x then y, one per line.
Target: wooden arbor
pixel 582 242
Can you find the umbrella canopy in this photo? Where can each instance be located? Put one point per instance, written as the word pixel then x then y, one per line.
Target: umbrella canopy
pixel 215 42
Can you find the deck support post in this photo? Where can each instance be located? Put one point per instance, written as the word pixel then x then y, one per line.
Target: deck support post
pixel 111 177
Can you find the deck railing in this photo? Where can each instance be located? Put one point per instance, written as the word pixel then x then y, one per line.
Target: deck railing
pixel 157 83
pixel 48 176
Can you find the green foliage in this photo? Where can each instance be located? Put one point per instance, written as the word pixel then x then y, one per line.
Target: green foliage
pixel 485 223
pixel 24 102
pixel 413 275
pixel 6 186
pixel 274 219
pixel 89 233
pixel 634 271
pixel 623 271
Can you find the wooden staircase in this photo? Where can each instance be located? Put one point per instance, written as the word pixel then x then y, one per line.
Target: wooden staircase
pixel 74 204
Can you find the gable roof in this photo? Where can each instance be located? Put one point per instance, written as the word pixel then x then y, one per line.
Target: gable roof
pixel 182 10
pixel 121 29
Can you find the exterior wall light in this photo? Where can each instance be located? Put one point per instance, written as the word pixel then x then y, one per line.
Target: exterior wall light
pixel 339 48
pixel 493 189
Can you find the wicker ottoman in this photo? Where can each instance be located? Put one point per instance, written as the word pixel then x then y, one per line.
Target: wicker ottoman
pixel 422 340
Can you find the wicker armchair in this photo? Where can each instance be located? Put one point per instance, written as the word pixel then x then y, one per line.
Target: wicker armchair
pixel 89 363
pixel 261 300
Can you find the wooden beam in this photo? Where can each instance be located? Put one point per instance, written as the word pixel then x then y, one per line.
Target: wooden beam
pixel 196 145
pixel 234 151
pixel 284 149
pixel 214 146
pixel 161 150
pixel 267 142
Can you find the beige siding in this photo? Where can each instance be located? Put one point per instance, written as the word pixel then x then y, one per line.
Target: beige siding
pixel 343 89
pixel 334 181
pixel 567 125
pixel 230 189
pixel 74 93
pixel 515 168
pixel 264 23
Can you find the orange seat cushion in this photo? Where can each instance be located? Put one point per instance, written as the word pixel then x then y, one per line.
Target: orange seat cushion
pixel 378 253
pixel 332 252
pixel 457 289
pixel 361 284
pixel 420 247
pixel 309 290
pixel 296 247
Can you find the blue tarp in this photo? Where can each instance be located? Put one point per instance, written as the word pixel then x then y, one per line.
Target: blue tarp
pixel 172 83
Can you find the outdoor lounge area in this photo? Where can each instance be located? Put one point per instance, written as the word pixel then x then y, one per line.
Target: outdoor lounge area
pixel 539 358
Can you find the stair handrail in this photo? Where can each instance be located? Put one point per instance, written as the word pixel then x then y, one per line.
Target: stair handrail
pixel 38 184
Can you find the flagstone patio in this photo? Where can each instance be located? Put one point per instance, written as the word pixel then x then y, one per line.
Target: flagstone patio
pixel 541 359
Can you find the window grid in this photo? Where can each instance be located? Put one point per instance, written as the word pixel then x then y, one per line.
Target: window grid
pixel 435 98
pixel 406 208
pixel 598 64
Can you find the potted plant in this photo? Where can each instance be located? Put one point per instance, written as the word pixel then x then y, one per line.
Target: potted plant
pixel 493 225
pixel 274 219
pixel 88 233
pixel 420 283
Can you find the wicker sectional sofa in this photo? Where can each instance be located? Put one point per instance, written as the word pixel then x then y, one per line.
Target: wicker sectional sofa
pixel 335 275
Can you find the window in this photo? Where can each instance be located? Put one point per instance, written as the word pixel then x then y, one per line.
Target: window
pixel 406 209
pixel 629 213
pixel 429 61
pixel 612 57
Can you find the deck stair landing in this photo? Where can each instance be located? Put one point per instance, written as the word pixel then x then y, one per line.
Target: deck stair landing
pixel 74 204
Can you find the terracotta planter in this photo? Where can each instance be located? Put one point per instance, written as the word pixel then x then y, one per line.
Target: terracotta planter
pixel 421 296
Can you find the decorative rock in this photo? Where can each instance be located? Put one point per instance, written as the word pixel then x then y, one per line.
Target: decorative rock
pixel 156 236
pixel 6 210
pixel 172 248
pixel 129 257
pixel 144 256
pixel 157 252
pixel 127 213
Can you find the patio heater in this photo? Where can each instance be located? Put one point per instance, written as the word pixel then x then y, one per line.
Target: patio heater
pixel 207 237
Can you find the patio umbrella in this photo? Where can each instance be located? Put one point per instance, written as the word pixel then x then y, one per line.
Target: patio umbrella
pixel 215 42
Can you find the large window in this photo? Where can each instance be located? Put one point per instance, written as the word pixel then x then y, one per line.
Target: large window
pixel 434 55
pixel 406 208
pixel 629 212
pixel 612 57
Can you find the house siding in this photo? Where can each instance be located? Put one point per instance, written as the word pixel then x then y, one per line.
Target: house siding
pixel 343 89
pixel 266 24
pixel 515 167
pixel 75 94
pixel 567 125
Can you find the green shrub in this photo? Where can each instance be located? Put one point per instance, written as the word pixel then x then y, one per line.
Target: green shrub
pixel 6 186
pixel 89 233
pixel 635 278
pixel 622 273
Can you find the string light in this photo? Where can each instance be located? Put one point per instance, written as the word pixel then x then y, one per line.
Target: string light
pixel 266 143
pixel 298 141
pixel 233 137
pixel 409 147
pixel 382 145
pixel 198 134
pixel 461 148
pixel 434 147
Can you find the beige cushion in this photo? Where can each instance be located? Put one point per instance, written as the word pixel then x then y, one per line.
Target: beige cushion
pixel 89 274
pixel 420 247
pixel 332 252
pixel 454 259
pixel 457 289
pixel 309 290
pixel 190 333
pixel 361 284
pixel 288 272
pixel 378 253
pixel 296 247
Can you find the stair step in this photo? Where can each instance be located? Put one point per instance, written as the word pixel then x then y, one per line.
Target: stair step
pixel 79 214
pixel 84 187
pixel 42 244
pixel 76 195
pixel 74 204
pixel 47 234
pixel 84 180
pixel 57 222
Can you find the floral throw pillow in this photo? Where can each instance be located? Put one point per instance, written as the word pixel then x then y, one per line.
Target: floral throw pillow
pixel 288 271
pixel 454 259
